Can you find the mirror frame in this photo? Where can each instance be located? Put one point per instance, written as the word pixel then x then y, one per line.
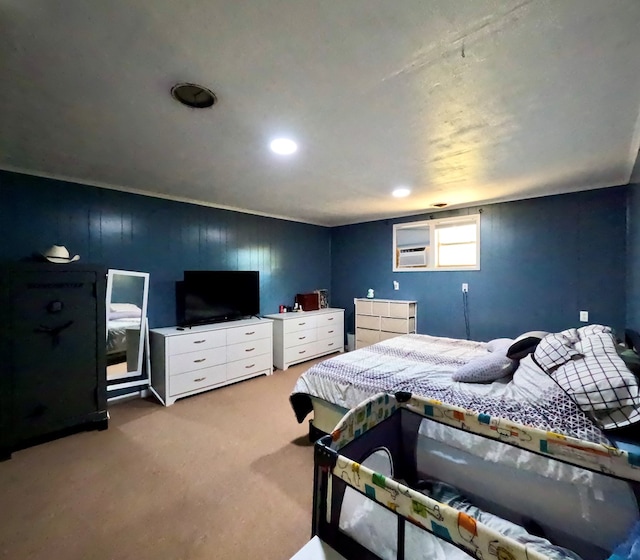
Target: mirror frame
pixel 141 375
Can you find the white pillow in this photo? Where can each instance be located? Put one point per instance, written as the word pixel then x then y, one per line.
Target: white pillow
pixel 536 334
pixel 499 345
pixel 122 307
pixel 483 369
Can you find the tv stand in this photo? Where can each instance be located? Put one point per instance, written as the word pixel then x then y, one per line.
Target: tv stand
pixel 204 357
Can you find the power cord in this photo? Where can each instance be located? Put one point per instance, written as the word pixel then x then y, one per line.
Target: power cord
pixel 465 308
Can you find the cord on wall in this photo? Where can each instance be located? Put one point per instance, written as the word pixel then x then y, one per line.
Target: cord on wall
pixel 465 308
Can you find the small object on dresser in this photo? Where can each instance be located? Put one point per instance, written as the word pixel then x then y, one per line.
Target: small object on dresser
pixel 323 296
pixel 370 293
pixel 308 302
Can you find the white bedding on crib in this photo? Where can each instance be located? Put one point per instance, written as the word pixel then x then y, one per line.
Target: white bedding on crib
pixel 375 527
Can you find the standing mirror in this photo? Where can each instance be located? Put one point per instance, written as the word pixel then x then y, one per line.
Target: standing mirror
pixel 126 308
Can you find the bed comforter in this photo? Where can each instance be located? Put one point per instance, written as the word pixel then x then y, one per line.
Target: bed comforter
pixel 424 365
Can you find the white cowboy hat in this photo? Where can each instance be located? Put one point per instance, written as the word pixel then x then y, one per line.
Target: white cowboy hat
pixel 59 254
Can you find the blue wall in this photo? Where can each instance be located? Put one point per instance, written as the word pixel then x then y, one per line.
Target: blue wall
pixel 542 261
pixel 633 258
pixel 164 238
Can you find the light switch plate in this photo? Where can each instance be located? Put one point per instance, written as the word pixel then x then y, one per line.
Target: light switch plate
pixel 584 316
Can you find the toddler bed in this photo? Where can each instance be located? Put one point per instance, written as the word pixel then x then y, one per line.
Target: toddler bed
pixel 382 490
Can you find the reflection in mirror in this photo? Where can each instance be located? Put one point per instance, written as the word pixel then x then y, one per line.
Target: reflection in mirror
pixel 126 308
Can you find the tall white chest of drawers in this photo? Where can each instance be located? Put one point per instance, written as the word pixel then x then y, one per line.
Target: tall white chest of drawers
pixel 380 319
pixel 196 359
pixel 298 337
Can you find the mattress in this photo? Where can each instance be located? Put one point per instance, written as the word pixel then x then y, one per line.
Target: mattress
pixel 424 365
pixel 116 334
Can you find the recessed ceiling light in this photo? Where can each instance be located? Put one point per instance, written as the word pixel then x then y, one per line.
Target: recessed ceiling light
pixel 193 95
pixel 283 146
pixel 401 193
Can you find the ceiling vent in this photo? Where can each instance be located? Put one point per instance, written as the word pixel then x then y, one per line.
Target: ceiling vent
pixel 193 95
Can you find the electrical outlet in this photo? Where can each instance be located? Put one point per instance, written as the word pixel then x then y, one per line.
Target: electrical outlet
pixel 584 316
pixel 396 285
pixel 465 287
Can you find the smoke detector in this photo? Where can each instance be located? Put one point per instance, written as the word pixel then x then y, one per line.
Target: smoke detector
pixel 193 95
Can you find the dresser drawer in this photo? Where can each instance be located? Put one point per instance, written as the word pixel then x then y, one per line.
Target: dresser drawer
pixel 387 335
pixel 250 332
pixel 400 310
pixel 367 336
pixel 331 331
pixel 298 338
pixel 299 353
pixel 368 322
pixel 336 343
pixel 248 366
pixel 364 307
pixel 248 349
pixel 196 341
pixel 329 319
pixel 397 325
pixel 196 360
pixel 380 308
pixel 195 380
pixel 301 323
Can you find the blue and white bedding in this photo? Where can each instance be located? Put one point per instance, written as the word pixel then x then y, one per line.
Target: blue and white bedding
pixel 424 365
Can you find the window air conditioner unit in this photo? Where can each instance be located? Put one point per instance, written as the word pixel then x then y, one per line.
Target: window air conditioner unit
pixel 413 256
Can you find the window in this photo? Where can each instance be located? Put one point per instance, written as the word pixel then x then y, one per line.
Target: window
pixel 445 244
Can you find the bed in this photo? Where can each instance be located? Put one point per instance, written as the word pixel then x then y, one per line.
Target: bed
pixel 518 389
pixel 504 446
pixel 120 318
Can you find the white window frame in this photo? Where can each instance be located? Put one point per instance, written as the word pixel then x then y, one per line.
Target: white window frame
pixel 429 254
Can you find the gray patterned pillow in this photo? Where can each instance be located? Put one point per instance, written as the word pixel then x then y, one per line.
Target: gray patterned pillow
pixel 485 368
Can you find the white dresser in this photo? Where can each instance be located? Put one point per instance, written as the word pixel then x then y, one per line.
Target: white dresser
pixel 380 319
pixel 301 336
pixel 196 359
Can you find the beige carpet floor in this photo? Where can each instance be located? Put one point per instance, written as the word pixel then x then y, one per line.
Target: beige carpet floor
pixel 226 474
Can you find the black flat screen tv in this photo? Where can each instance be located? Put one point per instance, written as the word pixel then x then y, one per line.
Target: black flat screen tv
pixel 212 296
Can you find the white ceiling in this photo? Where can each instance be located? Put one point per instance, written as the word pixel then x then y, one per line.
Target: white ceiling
pixel 463 101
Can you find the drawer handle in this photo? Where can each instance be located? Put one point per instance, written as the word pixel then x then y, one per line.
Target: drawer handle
pixel 199 379
pixel 249 349
pixel 301 337
pixel 330 318
pixel 331 344
pixel 198 361
pixel 300 324
pixel 199 341
pixel 330 331
pixel 250 333
pixel 302 352
pixel 250 366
